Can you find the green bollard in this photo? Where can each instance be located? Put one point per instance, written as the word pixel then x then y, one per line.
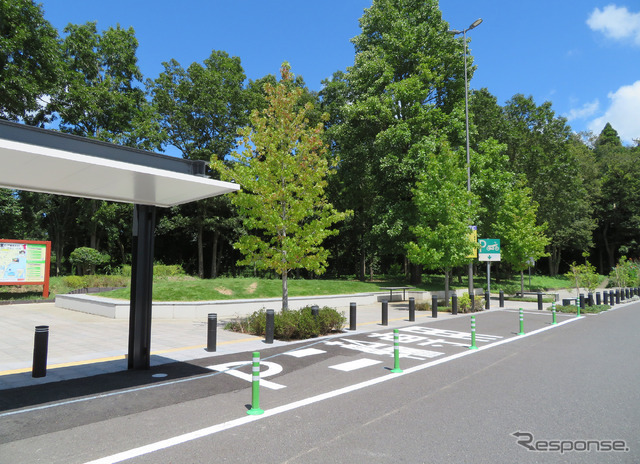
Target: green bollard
pixel 473 334
pixel 521 323
pixel 553 311
pixel 578 306
pixel 396 352
pixel 255 387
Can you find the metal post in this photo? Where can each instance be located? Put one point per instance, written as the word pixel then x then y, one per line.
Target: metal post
pixel 212 331
pixel 611 298
pixel 598 300
pixel 539 301
pixel 605 296
pixel 315 311
pixel 412 309
pixel 255 385
pixel 617 296
pixel 396 352
pixel 487 300
pixel 434 305
pixel 270 326
pixel 144 220
pixel 352 316
pixel 40 350
pixel 473 334
pixel 521 322
pixel 385 312
pixel 454 304
pixel 502 298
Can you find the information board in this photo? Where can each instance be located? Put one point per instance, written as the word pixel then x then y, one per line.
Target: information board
pixel 25 262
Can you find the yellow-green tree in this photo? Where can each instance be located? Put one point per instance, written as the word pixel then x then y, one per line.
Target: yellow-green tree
pixel 282 169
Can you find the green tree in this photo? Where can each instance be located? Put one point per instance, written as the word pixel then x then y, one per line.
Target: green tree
pixel 282 171
pixel 406 80
pixel 522 238
pixel 538 146
pixel 201 109
pixel 30 63
pixel 11 214
pixel 443 206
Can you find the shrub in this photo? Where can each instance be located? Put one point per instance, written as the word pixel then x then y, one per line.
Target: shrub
pixel 291 325
pixel 87 259
pixel 73 282
pixel 464 304
pixel 159 270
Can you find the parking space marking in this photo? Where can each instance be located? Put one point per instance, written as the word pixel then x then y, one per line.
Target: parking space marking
pixel 272 369
pixel 354 365
pixel 304 352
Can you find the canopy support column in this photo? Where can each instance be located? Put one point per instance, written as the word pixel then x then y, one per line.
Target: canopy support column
pixel 144 221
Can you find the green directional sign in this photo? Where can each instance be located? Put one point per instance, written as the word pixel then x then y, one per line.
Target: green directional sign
pixel 489 249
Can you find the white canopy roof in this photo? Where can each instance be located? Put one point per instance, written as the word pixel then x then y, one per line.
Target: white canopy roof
pixel 55 163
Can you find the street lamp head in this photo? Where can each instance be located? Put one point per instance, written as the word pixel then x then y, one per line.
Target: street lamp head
pixel 455 32
pixel 476 23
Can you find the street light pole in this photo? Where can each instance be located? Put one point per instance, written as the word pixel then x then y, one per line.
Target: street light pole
pixel 475 24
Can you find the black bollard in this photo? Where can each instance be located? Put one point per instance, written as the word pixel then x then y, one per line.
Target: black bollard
pixel 598 300
pixel 270 326
pixel 487 300
pixel 611 297
pixel 502 298
pixel 605 298
pixel 412 309
pixel 539 301
pixel 40 349
pixel 212 331
pixel 315 311
pixel 454 304
pixel 622 294
pixel 590 299
pixel 617 296
pixel 626 292
pixel 582 301
pixel 352 316
pixel 385 312
pixel 434 305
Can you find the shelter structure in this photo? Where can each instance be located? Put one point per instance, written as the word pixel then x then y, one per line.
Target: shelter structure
pixel 46 161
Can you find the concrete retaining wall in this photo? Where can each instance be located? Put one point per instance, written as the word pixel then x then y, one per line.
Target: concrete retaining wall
pixel 225 309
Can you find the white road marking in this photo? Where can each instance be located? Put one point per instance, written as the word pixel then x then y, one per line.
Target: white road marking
pixel 357 364
pixel 304 352
pixel 272 369
pixel 163 444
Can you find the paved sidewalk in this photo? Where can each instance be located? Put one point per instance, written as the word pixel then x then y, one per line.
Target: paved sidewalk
pixel 83 345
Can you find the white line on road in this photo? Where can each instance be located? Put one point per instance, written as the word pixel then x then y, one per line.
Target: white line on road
pixel 357 364
pixel 163 444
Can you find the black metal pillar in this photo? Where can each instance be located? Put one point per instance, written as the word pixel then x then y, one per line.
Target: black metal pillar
pixel 144 222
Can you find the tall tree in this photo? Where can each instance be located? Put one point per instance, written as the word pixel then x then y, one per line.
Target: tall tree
pixel 538 146
pixel 200 109
pixel 30 61
pixel 522 238
pixel 443 206
pixel 406 80
pixel 282 171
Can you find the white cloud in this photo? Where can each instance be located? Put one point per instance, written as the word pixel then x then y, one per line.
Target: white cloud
pixel 616 23
pixel 622 113
pixel 588 109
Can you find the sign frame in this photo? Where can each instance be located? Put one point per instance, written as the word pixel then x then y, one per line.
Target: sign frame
pixel 47 265
pixel 488 250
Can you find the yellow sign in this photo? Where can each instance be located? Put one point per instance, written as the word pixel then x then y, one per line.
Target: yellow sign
pixel 473 236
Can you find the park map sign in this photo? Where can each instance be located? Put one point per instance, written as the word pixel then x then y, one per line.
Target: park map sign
pixel 25 262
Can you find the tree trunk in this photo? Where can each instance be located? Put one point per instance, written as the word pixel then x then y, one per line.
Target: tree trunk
pixel 362 272
pixel 522 284
pixel 200 253
pixel 285 292
pixel 214 255
pixel 447 275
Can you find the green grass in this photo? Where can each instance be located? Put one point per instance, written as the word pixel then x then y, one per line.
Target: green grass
pixel 186 288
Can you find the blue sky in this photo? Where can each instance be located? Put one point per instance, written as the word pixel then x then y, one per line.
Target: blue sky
pixel 582 55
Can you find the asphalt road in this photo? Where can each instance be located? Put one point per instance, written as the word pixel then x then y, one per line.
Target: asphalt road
pixel 335 400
